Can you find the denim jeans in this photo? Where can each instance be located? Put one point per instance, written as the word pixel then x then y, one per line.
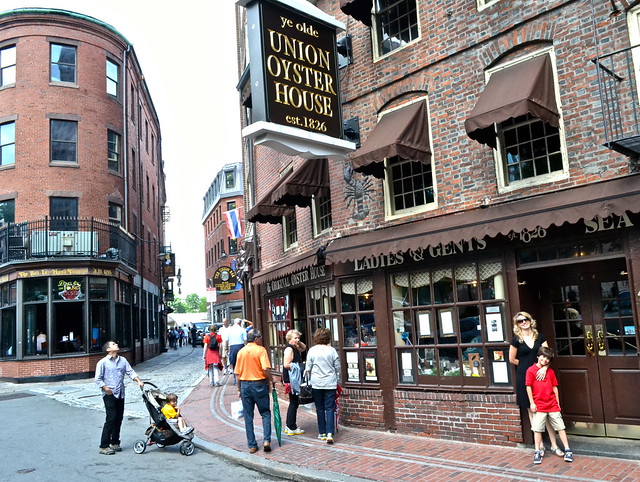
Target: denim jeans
pixel 325 401
pixel 256 393
pixel 114 407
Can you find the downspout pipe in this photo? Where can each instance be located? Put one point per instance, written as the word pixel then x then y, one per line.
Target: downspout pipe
pixel 125 140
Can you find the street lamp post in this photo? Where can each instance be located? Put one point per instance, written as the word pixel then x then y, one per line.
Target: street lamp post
pixel 179 276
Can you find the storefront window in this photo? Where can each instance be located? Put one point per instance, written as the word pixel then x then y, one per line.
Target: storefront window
pixel 322 307
pixel 445 320
pixel 122 297
pixel 8 320
pixel 359 329
pixel 278 324
pixel 68 327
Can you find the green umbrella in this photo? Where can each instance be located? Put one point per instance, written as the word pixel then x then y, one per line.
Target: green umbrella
pixel 277 419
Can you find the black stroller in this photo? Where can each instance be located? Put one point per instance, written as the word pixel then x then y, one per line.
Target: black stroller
pixel 161 432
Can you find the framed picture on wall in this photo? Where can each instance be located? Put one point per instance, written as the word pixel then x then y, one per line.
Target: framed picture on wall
pixel 353 372
pixel 370 368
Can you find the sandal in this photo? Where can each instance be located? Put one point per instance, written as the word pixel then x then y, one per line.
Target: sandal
pixel 557 451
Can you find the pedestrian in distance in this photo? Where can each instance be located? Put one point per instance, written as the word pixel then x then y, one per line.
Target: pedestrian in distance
pixel 171 412
pixel 292 378
pixel 544 400
pixel 109 377
pixel 211 356
pixel 523 351
pixel 323 371
pixel 194 335
pixel 253 370
pixel 237 337
pixel 223 331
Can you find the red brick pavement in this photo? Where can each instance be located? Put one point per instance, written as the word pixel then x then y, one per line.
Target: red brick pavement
pixel 387 456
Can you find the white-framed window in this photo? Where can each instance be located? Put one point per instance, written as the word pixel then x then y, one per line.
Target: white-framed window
pixel 8 66
pixel 409 186
pixel 290 231
pixel 530 151
pixel 230 179
pixel 7 144
pixel 321 214
pixel 115 213
pixel 64 141
pixel 482 4
pixel 395 25
pixel 63 63
pixel 113 150
pixel 113 78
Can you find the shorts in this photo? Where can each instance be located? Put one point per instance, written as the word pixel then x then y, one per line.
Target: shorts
pixel 224 353
pixel 540 421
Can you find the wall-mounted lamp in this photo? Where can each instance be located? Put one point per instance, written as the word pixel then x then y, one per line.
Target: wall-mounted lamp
pixel 351 130
pixel 345 53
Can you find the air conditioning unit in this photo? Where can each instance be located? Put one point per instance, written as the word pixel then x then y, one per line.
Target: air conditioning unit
pixel 69 243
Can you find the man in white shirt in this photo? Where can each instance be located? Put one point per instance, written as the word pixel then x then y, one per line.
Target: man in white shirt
pixel 237 337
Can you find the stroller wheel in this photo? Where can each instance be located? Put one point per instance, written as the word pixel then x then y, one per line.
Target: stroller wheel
pixel 139 446
pixel 187 448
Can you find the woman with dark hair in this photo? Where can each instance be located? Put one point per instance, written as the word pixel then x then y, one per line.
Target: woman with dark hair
pixel 523 353
pixel 323 370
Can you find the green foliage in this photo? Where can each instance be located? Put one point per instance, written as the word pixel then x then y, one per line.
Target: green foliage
pixel 191 304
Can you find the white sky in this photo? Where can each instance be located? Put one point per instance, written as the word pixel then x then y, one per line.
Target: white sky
pixel 187 51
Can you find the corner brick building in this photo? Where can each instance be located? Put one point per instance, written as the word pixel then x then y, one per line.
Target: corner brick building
pixel 81 197
pixel 496 171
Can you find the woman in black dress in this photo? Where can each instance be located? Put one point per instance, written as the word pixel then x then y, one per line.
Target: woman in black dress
pixel 523 353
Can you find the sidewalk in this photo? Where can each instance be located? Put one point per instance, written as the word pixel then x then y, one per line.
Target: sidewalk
pixel 362 454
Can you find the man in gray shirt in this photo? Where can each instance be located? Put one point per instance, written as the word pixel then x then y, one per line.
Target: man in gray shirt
pixel 110 372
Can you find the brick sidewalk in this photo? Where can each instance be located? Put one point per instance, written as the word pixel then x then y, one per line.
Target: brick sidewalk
pixel 387 456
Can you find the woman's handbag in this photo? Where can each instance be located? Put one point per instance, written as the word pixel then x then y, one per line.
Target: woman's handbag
pixel 306 393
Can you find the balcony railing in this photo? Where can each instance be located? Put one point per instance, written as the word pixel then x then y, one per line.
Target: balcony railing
pixel 66 237
pixel 617 82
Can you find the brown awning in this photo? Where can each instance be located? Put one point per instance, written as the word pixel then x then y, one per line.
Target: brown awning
pixel 288 266
pixel 403 132
pixel 525 88
pixel 585 202
pixel 358 9
pixel 298 187
pixel 266 212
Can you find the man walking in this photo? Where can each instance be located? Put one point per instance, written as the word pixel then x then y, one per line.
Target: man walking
pixel 223 331
pixel 254 380
pixel 110 372
pixel 237 336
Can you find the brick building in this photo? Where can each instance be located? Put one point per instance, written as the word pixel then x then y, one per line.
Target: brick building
pixel 497 172
pixel 81 197
pixel 225 194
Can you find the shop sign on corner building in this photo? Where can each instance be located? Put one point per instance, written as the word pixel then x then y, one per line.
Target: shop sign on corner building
pixel 294 84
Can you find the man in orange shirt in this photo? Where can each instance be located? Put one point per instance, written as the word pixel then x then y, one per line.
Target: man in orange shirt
pixel 254 379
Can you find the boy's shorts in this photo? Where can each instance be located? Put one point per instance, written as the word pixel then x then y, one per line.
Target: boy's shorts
pixel 540 420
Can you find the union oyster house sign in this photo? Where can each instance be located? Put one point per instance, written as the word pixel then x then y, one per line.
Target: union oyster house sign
pixel 293 75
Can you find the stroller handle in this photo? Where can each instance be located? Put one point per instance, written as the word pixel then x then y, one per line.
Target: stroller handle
pixel 149 383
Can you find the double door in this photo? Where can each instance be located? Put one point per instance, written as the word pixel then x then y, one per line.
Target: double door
pixel 587 313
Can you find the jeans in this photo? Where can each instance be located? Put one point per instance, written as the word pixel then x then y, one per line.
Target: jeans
pixel 214 374
pixel 325 401
pixel 114 408
pixel 256 393
pixel 292 411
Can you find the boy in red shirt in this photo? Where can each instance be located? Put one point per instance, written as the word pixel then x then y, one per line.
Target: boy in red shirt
pixel 545 403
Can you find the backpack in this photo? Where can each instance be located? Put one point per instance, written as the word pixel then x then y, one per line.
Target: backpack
pixel 213 341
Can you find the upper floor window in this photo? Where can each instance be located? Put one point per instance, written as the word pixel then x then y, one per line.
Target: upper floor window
pixel 231 205
pixel 482 4
pixel 8 66
pixel 396 24
pixel 63 63
pixel 410 184
pixel 64 213
pixel 7 211
pixel 230 179
pixel 113 78
pixel 321 212
pixel 115 213
pixel 113 150
pixel 290 231
pixel 7 144
pixel 64 138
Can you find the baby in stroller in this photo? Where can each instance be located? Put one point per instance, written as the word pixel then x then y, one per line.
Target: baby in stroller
pixel 167 426
pixel 172 413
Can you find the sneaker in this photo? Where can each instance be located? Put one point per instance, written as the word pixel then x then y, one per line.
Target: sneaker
pixel 568 455
pixel 537 457
pixel 107 451
pixel 187 430
pixel 296 431
pixel 322 436
pixel 116 447
pixel 329 438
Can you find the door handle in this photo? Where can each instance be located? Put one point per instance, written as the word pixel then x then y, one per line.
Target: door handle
pixel 600 337
pixel 590 345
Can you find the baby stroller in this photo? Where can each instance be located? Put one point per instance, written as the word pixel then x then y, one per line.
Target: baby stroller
pixel 161 432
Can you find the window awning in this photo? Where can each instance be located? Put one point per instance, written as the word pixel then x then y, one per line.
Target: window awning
pixel 265 211
pixel 286 267
pixel 403 132
pixel 525 88
pixel 298 187
pixel 358 9
pixel 584 202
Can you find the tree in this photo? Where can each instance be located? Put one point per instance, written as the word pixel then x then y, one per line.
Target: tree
pixel 195 303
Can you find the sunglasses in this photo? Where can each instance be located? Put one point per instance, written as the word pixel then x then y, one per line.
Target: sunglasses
pixel 523 320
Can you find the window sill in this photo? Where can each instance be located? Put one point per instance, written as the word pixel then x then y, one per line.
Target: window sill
pixel 63 164
pixel 73 85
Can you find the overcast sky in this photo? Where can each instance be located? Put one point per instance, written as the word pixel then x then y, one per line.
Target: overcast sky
pixel 187 51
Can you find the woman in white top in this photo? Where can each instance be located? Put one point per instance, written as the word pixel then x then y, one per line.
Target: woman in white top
pixel 323 368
